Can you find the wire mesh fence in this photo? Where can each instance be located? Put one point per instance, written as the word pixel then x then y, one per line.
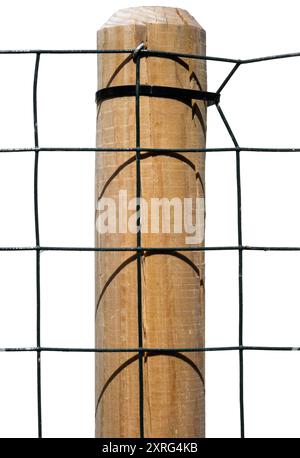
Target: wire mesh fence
pixel 137 91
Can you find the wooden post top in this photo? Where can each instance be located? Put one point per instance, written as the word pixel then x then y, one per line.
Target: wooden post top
pixel 143 15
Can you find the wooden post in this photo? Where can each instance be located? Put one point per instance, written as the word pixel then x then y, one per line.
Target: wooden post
pixel 172 283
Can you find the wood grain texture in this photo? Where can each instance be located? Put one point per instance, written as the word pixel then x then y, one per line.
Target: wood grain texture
pixel 172 285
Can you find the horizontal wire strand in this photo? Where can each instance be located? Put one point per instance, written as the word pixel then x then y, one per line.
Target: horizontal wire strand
pixel 151 53
pixel 155 249
pixel 148 350
pixel 150 150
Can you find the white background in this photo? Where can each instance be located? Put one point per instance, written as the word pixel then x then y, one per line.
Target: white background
pixel 262 105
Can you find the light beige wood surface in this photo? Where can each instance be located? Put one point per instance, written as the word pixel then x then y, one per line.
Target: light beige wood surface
pixel 172 285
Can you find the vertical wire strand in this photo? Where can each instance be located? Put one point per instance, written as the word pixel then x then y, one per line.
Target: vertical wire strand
pixel 38 253
pixel 138 239
pixel 240 281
